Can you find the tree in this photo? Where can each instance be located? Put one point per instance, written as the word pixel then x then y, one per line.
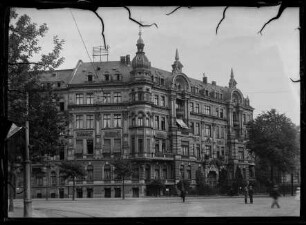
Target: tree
pixel 272 137
pixel 72 170
pixel 239 182
pixel 200 182
pixel 123 169
pixel 24 76
pixel 183 185
pixel 223 181
pixel 156 186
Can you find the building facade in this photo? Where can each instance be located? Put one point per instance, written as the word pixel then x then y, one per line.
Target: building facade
pixel 168 124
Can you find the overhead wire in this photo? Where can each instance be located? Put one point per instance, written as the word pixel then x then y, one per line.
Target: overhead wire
pixel 84 44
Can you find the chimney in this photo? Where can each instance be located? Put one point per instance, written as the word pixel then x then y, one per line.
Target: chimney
pixel 122 59
pixel 214 83
pixel 127 59
pixel 204 79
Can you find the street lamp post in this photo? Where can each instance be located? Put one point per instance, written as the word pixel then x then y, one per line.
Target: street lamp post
pixel 27 167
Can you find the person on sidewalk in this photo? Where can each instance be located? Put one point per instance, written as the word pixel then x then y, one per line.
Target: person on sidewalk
pixel 275 194
pixel 183 195
pixel 245 192
pixel 251 192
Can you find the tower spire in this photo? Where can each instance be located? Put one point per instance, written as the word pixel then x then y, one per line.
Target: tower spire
pixel 177 55
pixel 177 65
pixel 232 82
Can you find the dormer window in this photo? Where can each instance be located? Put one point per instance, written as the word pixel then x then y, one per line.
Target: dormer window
pixel 89 77
pixel 58 84
pixel 162 81
pixel 107 77
pixel 118 77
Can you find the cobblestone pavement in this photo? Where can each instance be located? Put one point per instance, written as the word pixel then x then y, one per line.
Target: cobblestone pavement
pixel 160 207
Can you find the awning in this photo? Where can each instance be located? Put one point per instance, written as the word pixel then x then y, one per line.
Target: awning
pixel 181 123
pixel 13 130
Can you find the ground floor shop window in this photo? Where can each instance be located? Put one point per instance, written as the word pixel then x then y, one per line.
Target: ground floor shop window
pixel 107 192
pixel 89 193
pixel 79 193
pixel 117 192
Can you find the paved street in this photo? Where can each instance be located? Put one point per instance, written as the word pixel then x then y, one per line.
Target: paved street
pixel 160 207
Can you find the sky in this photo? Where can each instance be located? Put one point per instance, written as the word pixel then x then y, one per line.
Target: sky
pixel 262 64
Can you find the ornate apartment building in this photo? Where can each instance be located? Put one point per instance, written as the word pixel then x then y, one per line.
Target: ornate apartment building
pixel 168 124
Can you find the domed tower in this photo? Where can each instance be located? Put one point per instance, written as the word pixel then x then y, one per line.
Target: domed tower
pixel 140 63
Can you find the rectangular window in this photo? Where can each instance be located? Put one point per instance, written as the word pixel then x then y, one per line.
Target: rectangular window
pixel 140 145
pixel 117 145
pixel 156 122
pixel 79 121
pixel 197 129
pixel 241 154
pixel 117 120
pixel 140 121
pixel 62 106
pixel 163 101
pixel 207 110
pixel 222 151
pixel 148 145
pixel 208 130
pixel 79 99
pixel 79 146
pixel 106 98
pixel 107 145
pixel 106 120
pixel 89 146
pixel 89 121
pixel 198 148
pixel 221 113
pixel 156 145
pixel 185 148
pixel 163 146
pixel 217 112
pixel 163 123
pixel 117 97
pixel 155 99
pixel 217 132
pixel 133 145
pixel 164 173
pixel 89 98
pixel 191 107
pixel 222 132
pixel 208 150
pixel 192 127
pixel 197 108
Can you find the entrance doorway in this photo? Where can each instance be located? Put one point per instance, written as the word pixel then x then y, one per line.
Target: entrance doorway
pixel 89 192
pixel 79 193
pixel 107 192
pixel 61 192
pixel 117 192
pixel 136 192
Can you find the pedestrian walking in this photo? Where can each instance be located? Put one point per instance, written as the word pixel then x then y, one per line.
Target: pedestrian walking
pixel 275 194
pixel 245 192
pixel 183 195
pixel 251 192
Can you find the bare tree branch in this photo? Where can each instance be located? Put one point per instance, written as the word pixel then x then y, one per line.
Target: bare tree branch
pixel 295 81
pixel 25 63
pixel 102 22
pixel 221 19
pixel 279 13
pixel 140 24
pixel 175 10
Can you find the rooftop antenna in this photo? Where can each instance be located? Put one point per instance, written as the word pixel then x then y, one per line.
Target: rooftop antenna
pixel 99 52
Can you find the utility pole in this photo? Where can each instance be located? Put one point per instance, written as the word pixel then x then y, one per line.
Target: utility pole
pixel 27 212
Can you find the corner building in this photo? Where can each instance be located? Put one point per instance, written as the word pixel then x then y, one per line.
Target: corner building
pixel 169 124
